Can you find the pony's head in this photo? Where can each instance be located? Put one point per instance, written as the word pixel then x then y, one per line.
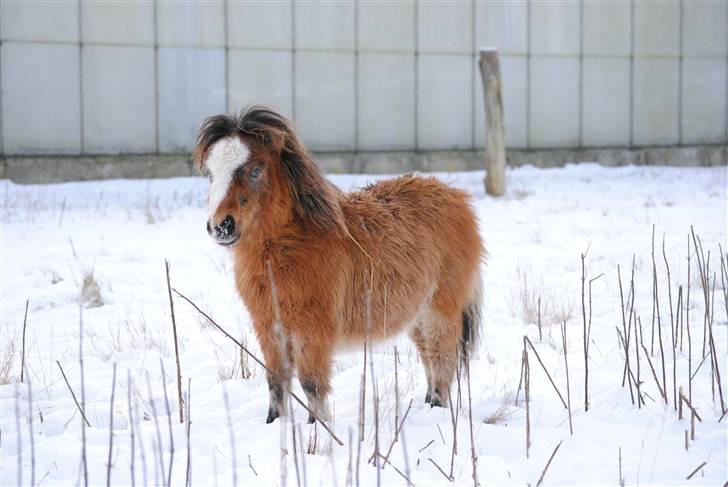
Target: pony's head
pixel 261 177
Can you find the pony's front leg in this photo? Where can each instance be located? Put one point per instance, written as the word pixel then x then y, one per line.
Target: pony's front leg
pixel 313 363
pixel 277 360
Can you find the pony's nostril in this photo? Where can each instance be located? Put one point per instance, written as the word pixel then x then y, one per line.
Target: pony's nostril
pixel 209 228
pixel 226 228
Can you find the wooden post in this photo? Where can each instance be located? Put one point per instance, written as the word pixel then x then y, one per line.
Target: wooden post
pixel 495 141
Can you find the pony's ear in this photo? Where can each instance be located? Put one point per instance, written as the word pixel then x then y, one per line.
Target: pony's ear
pixel 198 156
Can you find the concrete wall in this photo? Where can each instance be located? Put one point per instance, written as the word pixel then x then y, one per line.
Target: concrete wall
pixel 82 77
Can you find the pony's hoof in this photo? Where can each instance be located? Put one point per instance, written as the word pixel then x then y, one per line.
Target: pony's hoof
pixel 311 419
pixel 272 415
pixel 428 397
pixel 437 402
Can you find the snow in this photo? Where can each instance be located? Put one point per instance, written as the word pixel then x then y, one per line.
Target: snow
pixel 122 231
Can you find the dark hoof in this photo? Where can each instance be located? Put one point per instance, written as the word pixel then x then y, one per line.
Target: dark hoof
pixel 311 419
pixel 436 401
pixel 428 397
pixel 272 415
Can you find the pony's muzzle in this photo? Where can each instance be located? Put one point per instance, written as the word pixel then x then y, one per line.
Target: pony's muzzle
pixel 224 233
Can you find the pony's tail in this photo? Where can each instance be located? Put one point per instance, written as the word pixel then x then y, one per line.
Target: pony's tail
pixel 472 322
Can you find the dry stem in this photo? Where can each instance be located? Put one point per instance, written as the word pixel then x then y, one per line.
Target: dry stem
pixel 22 354
pixel 548 463
pixel 176 346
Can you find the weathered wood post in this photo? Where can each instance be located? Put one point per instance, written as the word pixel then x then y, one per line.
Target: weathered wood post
pixel 495 141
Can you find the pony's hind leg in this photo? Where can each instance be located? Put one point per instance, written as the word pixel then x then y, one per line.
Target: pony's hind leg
pixel 416 335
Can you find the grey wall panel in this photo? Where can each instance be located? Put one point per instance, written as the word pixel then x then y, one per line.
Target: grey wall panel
pixel 386 26
pixel 117 22
pixel 36 21
pixel 444 102
pixel 657 28
pixel 607 28
pixel 260 77
pixel 193 24
pixel 445 27
pixel 324 25
pixel 554 108
pixel 555 28
pixel 118 100
pixel 260 24
pixel 705 28
pixel 191 88
pixel 605 110
pixel 703 100
pixel 386 101
pixel 656 95
pixel 325 100
pixel 40 98
pixel 503 25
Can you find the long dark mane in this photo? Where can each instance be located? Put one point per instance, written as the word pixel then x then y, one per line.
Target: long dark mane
pixel 313 198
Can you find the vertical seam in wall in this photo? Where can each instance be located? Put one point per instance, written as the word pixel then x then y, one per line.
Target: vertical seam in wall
pixel 356 76
pixel 417 77
pixel 82 128
pixel 293 60
pixel 156 77
pixel 680 77
pixel 472 75
pixel 631 73
pixel 528 74
pixel 581 74
pixel 226 56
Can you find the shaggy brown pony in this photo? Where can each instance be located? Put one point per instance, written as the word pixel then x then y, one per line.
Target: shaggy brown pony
pixel 319 269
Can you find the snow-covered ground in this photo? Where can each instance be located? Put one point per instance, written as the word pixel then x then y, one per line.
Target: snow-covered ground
pixel 122 231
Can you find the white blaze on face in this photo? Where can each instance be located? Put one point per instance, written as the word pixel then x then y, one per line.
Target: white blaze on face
pixel 224 157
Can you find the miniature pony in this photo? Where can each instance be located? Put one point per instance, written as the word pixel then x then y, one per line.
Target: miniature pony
pixel 320 269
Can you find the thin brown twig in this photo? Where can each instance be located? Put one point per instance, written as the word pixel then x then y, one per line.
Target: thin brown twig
pixel 73 395
pixel 250 464
pixel 540 480
pixel 672 325
pixel 396 433
pixel 626 334
pixel 526 387
pixel 22 353
pixel 547 372
pixel 259 362
pixel 176 346
pixel 111 428
pixel 652 368
pixel 188 407
pixel 83 396
pixel 688 404
pixel 696 470
pixel 32 436
pixel 473 456
pixel 441 470
pixel 425 447
pixel 405 477
pixel 568 388
pixel 169 423
pixel 131 427
pixel 585 334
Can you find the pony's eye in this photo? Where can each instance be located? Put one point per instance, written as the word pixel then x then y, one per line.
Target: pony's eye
pixel 255 173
